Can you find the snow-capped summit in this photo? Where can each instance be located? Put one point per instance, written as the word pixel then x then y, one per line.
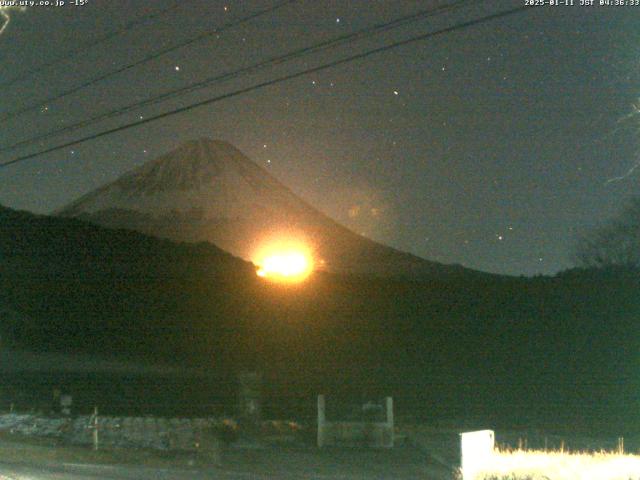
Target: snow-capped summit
pixel 207 190
pixel 208 176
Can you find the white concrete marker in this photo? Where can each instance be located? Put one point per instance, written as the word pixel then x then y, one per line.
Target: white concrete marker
pixel 476 450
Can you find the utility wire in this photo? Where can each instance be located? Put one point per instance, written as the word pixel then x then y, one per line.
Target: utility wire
pixel 276 60
pixel 274 81
pixel 105 38
pixel 148 58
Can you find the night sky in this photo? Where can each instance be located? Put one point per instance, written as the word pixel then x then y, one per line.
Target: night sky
pixel 491 146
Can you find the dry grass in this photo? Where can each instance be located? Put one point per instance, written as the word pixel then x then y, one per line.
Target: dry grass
pixel 545 465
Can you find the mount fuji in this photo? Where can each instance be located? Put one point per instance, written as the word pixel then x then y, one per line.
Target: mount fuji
pixel 207 190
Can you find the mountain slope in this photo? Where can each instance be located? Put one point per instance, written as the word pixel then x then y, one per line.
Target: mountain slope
pixel 209 191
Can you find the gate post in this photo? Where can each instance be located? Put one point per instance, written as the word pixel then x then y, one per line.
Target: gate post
pixel 389 404
pixel 321 421
pixel 250 398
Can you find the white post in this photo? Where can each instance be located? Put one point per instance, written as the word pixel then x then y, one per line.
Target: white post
pixel 389 403
pixel 95 429
pixel 476 449
pixel 321 421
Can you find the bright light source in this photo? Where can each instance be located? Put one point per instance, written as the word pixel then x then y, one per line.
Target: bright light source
pixel 292 266
pixel 284 261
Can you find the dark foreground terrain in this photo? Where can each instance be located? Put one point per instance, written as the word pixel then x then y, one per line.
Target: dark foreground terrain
pixel 550 352
pixel 422 452
pixel 20 460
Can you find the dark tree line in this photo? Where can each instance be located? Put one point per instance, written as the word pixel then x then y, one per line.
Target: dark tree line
pixel 614 244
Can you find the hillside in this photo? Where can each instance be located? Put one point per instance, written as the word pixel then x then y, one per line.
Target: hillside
pixel 559 350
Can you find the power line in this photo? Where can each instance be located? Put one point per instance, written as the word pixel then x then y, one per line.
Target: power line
pixel 148 58
pixel 340 40
pixel 267 83
pixel 82 48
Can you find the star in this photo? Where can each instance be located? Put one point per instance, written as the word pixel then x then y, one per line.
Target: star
pixel 177 67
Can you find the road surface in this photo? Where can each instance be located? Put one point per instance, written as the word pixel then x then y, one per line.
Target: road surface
pixel 398 464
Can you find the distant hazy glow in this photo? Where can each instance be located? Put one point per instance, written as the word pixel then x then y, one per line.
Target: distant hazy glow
pixel 284 261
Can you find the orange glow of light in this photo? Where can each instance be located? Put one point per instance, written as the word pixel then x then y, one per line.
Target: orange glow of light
pixel 284 261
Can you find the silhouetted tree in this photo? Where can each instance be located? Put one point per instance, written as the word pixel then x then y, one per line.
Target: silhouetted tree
pixel 615 244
